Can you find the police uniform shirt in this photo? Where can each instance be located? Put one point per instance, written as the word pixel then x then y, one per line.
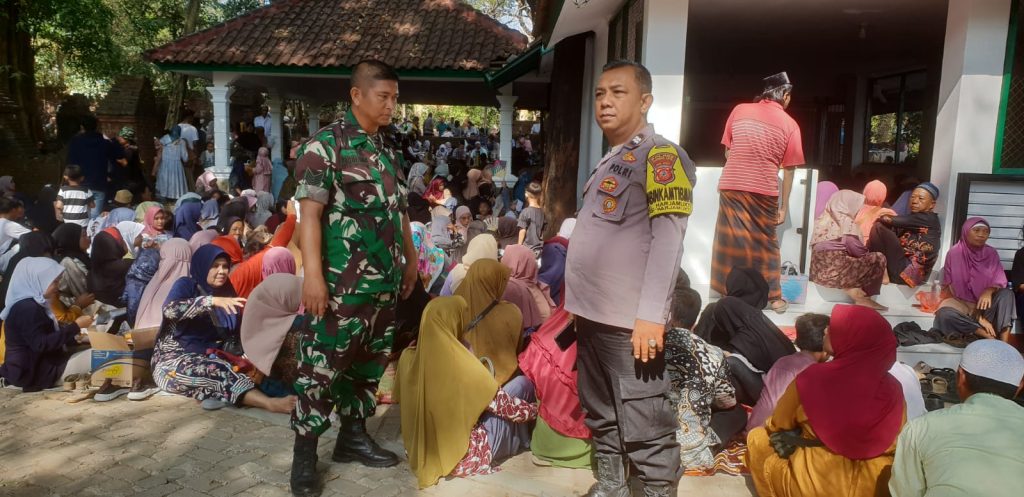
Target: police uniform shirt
pixel 628 242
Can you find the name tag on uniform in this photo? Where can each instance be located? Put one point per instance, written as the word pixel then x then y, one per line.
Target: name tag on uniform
pixel 668 188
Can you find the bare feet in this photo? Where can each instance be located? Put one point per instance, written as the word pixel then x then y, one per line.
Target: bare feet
pixel 283 405
pixel 861 298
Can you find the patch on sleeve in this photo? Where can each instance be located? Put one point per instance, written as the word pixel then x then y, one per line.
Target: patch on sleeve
pixel 668 188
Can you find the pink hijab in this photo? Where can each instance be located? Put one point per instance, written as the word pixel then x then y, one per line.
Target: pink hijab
pixel 278 260
pixel 524 268
pixel 969 270
pixel 874 196
pixel 149 228
pixel 201 238
pixel 825 191
pixel 175 257
pixel 269 313
pixel 473 179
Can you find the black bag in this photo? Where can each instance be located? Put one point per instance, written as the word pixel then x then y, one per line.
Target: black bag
pixel 785 442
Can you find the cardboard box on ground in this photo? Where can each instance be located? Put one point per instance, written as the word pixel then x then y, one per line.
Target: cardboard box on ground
pixel 120 360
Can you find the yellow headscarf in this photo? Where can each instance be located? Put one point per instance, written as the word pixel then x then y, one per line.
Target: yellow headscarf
pixel 498 335
pixel 442 390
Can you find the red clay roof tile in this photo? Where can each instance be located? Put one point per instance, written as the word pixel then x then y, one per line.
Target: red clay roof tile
pixel 408 34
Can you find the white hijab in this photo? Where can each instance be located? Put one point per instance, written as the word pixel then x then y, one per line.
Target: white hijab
pixel 130 230
pixel 30 280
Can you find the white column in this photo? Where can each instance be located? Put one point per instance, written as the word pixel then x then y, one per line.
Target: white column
pixel 664 54
pixel 507 116
pixel 969 94
pixel 591 137
pixel 220 94
pixel 312 117
pixel 276 105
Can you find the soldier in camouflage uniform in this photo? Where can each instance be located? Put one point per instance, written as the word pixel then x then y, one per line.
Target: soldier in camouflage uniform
pixel 351 181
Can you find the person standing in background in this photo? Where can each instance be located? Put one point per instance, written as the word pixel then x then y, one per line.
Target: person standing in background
pixel 760 138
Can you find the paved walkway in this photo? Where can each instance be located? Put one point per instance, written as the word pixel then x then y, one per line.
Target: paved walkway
pixel 168 446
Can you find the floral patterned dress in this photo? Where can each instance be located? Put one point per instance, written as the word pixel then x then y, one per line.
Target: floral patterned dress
pixel 478 458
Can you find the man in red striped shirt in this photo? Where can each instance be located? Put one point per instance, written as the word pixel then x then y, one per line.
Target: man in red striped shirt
pixel 760 138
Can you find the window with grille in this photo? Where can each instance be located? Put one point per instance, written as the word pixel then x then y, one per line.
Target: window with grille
pixel 1011 155
pixel 626 32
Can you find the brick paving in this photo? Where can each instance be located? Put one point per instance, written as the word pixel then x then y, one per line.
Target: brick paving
pixel 169 447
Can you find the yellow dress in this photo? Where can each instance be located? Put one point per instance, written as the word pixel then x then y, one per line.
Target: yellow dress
pixel 811 471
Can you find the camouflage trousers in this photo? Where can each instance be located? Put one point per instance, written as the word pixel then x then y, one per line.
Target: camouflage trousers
pixel 341 359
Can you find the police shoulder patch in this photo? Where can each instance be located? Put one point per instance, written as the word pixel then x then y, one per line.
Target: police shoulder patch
pixel 669 190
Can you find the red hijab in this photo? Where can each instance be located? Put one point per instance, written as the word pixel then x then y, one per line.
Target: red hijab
pixel 231 246
pixel 853 404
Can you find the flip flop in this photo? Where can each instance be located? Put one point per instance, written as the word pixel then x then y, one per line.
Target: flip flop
pixel 922 367
pixel 939 385
pixel 80 396
pixel 780 309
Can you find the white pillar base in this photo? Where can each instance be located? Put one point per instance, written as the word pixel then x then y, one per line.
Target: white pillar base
pixel 506 118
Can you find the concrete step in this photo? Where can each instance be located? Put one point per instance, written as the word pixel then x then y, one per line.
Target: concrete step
pixel 900 300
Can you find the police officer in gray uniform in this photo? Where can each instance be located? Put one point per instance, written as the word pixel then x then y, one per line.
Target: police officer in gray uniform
pixel 620 274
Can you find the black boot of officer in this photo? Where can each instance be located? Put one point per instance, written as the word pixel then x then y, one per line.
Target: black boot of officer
pixel 354 444
pixel 659 490
pixel 611 477
pixel 304 480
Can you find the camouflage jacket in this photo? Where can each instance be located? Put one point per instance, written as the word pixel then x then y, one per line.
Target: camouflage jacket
pixel 358 178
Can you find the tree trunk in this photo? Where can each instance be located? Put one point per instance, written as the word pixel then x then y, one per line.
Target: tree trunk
pixel 562 132
pixel 180 81
pixel 17 59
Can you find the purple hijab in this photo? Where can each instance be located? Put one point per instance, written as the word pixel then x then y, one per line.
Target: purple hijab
pixel 970 270
pixel 825 191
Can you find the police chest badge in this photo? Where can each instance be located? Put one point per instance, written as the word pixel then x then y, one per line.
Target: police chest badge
pixel 609 204
pixel 668 187
pixel 609 184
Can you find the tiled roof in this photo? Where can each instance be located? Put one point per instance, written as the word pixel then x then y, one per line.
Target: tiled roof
pixel 328 34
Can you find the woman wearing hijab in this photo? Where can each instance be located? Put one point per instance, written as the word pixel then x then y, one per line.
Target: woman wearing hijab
pixel 206 182
pixel 202 237
pixel 460 431
pixel 417 177
pixel 262 211
pixel 474 177
pixel 482 247
pixel 874 197
pixel 431 262
pixel 271 325
pixel 188 198
pixel 186 220
pixel 209 213
pixel 841 418
pixel 108 267
pixel 979 302
pixel 32 244
pixel 261 171
pixel 736 325
pixel 155 227
pixel 524 268
pixel 495 327
pixel 839 258
pixel 237 209
pixel 508 232
pixel 142 209
pixel 118 215
pixel 170 176
pixel 552 260
pixel 175 256
pixel 460 233
pixel 436 192
pixel 825 191
pixel 139 275
pixel 250 270
pixel 37 355
pixel 71 249
pixel 131 235
pixel 200 314
pixel 42 215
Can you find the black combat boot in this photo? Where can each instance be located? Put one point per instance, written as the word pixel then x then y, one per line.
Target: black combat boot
pixel 659 490
pixel 305 482
pixel 611 477
pixel 354 444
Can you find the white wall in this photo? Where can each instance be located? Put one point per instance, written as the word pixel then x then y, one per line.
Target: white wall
pixel 700 234
pixel 969 97
pixel 664 54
